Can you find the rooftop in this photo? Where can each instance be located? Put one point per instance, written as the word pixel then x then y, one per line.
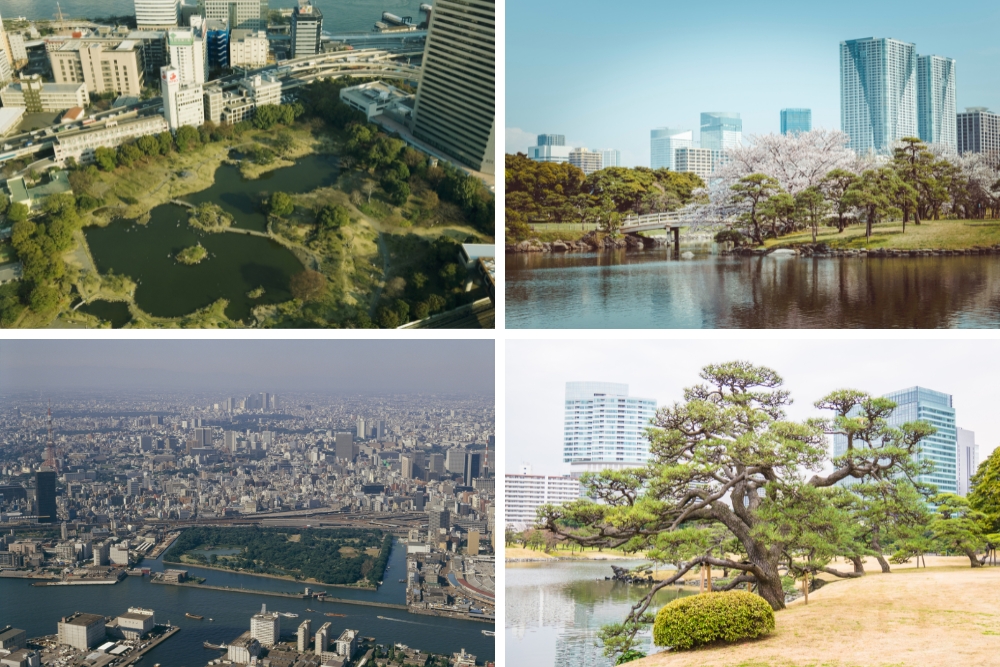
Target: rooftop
pixel 85 620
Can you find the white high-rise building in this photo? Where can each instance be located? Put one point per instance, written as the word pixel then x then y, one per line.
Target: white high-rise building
pixel 361 428
pixel 549 153
pixel 694 160
pixel 878 92
pixel 156 13
pixel 968 459
pixel 7 54
pixel 610 157
pixel 586 160
pixel 525 493
pixel 187 55
pixel 265 627
pixel 604 427
pixel 183 104
pixel 664 142
pixel 303 636
pixel 936 108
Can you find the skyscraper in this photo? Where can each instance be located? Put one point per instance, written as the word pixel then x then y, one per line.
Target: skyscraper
pixel 345 446
pixel 45 495
pixel 794 121
pixel 604 427
pixel 721 130
pixel 878 92
pixel 473 464
pixel 307 28
pixel 978 131
pixel 156 13
pixel 187 55
pixel 610 157
pixel 968 459
pixel 936 110
pixel 551 139
pixel 663 142
pixel 360 429
pixel 238 14
pixel 304 635
pixel 918 403
pixel 265 627
pixel 455 109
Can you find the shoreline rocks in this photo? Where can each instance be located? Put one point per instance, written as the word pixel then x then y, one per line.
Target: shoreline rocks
pixel 589 243
pixel 823 250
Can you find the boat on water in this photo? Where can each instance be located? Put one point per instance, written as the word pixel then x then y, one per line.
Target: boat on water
pixel 330 613
pixel 218 647
pixel 489 633
pixel 194 616
pixel 312 610
pixel 287 614
pixel 402 581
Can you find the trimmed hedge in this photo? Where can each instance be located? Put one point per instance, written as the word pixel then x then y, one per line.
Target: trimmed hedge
pixel 696 620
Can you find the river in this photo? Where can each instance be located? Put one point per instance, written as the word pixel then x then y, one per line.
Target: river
pixel 338 15
pixel 650 289
pixel 37 609
pixel 554 610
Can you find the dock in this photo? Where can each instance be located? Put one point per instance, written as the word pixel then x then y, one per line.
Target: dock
pixel 299 596
pixel 133 658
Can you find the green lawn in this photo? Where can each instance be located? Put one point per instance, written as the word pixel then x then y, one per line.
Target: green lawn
pixel 930 234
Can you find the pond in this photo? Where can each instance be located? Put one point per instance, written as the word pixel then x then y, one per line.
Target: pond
pixel 555 609
pixel 236 263
pixel 652 289
pixel 115 312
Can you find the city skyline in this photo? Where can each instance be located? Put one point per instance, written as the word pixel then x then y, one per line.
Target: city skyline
pixel 799 70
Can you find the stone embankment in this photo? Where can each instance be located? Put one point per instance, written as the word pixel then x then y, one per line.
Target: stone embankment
pixel 823 250
pixel 589 243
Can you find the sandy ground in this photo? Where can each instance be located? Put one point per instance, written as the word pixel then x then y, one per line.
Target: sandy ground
pixel 517 553
pixel 942 616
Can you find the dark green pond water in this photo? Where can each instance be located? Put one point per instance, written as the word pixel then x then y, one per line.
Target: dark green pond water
pixel 115 312
pixel 236 263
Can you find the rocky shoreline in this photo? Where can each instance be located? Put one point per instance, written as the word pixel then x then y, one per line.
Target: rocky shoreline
pixel 823 250
pixel 589 243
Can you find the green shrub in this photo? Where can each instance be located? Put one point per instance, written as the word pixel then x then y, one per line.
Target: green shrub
pixel 696 620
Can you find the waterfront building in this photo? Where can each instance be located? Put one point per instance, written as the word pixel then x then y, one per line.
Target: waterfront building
pixel 12 639
pixel 45 495
pixel 156 13
pixel 322 641
pixel 105 66
pixel 936 109
pixel 525 493
pixel 81 631
pixel 307 30
pixel 610 157
pixel 238 14
pixel 968 459
pixel 136 623
pixel 304 635
pixel 604 427
pixel 721 130
pixel 694 160
pixel 243 649
pixel 586 160
pixel 81 144
pixel 188 56
pixel 663 144
pixel 24 657
pixel 347 643
pixel 248 49
pixel 978 131
pixel 455 110
pixel 794 121
pixel 183 104
pixel 38 96
pixel 118 554
pixel 265 627
pixel 878 92
pixel 549 153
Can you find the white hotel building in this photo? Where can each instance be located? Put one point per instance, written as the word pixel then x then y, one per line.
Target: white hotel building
pixel 525 493
pixel 604 427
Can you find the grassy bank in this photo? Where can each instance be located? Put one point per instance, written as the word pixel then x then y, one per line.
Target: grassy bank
pixel 943 615
pixel 929 234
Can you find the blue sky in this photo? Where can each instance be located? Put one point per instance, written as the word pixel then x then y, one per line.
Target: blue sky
pixel 604 74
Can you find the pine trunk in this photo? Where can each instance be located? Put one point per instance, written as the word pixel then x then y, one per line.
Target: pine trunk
pixel 859 565
pixel 882 562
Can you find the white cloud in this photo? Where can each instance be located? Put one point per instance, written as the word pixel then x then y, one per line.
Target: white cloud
pixel 517 140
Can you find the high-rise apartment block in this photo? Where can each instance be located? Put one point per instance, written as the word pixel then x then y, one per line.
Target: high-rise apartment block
pixel 265 627
pixel 968 459
pixel 525 493
pixel 152 14
pixel 586 160
pixel 322 641
pixel 936 109
pixel 307 28
pixel 663 144
pixel 238 14
pixel 604 427
pixel 303 635
pixel 7 55
pixel 795 121
pixel 978 131
pixel 721 130
pixel 455 108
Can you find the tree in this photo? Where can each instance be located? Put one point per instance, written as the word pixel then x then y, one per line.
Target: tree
pixel 308 285
pixel 985 494
pixel 811 207
pixel 17 212
pixel 780 209
pixel 187 138
pixel 726 460
pixel 106 158
pixel 752 191
pixel 957 527
pixel 912 160
pixel 280 204
pixel 834 186
pixel 387 317
pixel 333 216
pixel 4 203
pixel 128 154
pixel 874 193
pixel 886 511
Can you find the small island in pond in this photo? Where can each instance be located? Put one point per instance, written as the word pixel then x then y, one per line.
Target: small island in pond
pixel 192 255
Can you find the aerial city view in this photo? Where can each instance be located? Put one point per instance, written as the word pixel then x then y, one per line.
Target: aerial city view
pixel 246 163
pixel 732 504
pixel 165 502
pixel 796 167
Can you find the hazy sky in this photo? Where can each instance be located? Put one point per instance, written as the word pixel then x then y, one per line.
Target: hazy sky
pixel 343 366
pixel 605 73
pixel 537 372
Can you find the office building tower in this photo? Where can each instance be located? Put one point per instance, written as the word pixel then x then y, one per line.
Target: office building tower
pixel 152 14
pixel 473 463
pixel 265 627
pixel 218 45
pixel 795 121
pixel 936 110
pixel 664 142
pixel 345 446
pixel 455 108
pixel 525 493
pixel 878 92
pixel 586 160
pixel 322 639
pixel 229 441
pixel 238 14
pixel 721 130
pixel 604 427
pixel 473 543
pixel 438 519
pixel 360 429
pixel 380 432
pixel 968 459
pixel 694 160
pixel 978 131
pixel 435 463
pixel 406 466
pixel 551 139
pixel 549 153
pixel 45 495
pixel 183 104
pixel 134 487
pixel 455 460
pixel 304 635
pixel 307 28
pixel 610 157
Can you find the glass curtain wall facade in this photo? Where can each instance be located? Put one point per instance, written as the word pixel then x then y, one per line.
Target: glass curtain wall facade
pixel 604 427
pixel 794 121
pixel 878 92
pixel 721 130
pixel 936 110
pixel 663 144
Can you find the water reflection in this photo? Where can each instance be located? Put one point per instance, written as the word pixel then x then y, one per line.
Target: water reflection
pixel 649 289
